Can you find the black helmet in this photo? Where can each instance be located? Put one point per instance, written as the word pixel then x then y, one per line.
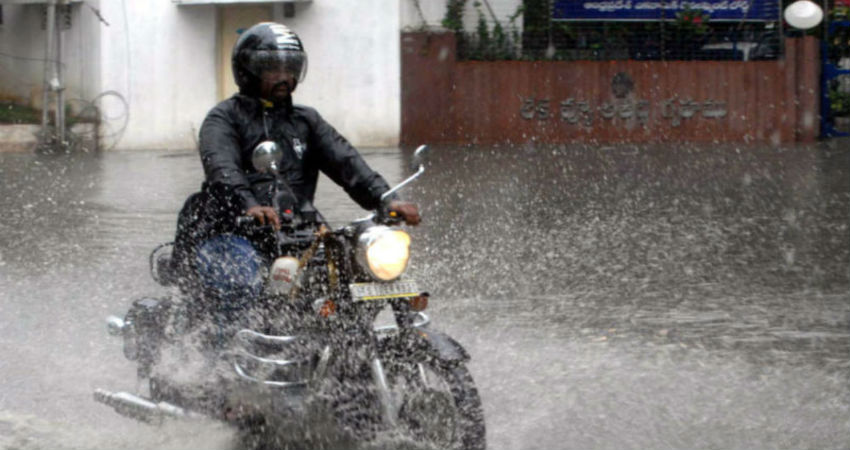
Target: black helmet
pixel 264 46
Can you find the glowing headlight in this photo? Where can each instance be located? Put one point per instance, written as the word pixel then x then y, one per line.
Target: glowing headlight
pixel 383 252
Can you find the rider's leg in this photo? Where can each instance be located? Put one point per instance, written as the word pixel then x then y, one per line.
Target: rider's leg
pixel 192 230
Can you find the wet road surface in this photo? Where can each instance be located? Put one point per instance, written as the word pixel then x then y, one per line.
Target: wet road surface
pixel 612 297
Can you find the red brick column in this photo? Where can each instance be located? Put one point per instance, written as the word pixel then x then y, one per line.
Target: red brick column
pixel 808 70
pixel 427 75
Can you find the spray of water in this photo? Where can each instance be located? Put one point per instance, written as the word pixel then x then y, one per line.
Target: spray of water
pixel 611 297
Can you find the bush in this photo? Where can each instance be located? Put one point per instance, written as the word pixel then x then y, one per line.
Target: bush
pixel 11 113
pixel 839 103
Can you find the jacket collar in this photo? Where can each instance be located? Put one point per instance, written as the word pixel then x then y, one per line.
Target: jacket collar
pixel 285 106
pixel 263 104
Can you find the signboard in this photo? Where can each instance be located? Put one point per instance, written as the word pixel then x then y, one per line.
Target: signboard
pixel 653 10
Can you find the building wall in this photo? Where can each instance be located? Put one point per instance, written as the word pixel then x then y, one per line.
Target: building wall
pixel 354 71
pixel 162 58
pixel 157 64
pixel 494 102
pixel 21 37
pixel 22 44
pixel 433 11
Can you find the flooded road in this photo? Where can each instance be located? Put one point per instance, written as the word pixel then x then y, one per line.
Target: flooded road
pixel 612 297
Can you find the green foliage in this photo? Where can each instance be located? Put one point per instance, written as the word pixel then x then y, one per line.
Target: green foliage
pixel 13 113
pixel 515 35
pixel 520 10
pixel 692 22
pixel 839 102
pixel 499 37
pixel 483 44
pixel 487 43
pixel 840 12
pixel 16 114
pixel 531 34
pixel 481 30
pixel 564 28
pixel 838 40
pixel 453 20
pixel 536 16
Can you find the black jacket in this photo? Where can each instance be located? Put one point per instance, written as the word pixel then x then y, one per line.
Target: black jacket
pixel 235 126
pixel 229 134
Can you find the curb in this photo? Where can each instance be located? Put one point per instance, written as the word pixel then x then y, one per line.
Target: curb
pixel 24 137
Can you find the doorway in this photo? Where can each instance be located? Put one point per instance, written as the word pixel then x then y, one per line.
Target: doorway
pixel 232 20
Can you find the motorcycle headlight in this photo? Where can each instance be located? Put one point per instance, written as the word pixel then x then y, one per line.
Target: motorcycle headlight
pixel 383 252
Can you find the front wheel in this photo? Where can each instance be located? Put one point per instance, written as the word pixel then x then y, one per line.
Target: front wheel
pixel 440 405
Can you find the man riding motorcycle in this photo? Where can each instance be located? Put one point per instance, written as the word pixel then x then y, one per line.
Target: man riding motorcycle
pixel 268 63
pixel 285 322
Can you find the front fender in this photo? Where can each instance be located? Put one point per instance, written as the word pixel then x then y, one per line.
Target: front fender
pixel 425 343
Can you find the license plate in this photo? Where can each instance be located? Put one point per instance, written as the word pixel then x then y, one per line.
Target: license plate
pixel 381 291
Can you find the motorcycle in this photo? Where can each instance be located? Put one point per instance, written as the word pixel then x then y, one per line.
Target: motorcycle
pixel 305 363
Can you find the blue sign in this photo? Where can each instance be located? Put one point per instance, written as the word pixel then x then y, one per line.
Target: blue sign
pixel 649 10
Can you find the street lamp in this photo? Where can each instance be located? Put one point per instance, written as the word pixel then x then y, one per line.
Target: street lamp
pixel 803 14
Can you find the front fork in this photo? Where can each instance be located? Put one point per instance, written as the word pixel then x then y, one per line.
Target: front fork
pixel 388 408
pixel 389 411
pixel 404 321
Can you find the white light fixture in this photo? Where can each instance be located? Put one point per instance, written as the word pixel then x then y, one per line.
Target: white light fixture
pixel 803 14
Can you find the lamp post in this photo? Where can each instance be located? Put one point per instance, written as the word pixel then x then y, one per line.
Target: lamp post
pixel 53 77
pixel 59 84
pixel 803 14
pixel 48 64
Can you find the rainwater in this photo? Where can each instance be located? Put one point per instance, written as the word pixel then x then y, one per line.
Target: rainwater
pixel 623 297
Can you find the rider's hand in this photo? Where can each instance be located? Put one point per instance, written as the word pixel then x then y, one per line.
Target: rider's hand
pixel 264 215
pixel 408 211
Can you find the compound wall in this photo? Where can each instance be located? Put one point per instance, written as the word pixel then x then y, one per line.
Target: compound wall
pixel 449 101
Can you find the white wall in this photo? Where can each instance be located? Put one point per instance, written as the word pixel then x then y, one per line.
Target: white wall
pixel 81 53
pixel 433 12
pixel 22 43
pixel 354 75
pixel 162 59
pixel 21 37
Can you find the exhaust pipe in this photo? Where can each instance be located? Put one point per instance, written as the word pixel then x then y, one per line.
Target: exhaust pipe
pixel 140 408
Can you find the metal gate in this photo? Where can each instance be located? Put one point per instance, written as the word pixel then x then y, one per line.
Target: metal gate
pixel 835 80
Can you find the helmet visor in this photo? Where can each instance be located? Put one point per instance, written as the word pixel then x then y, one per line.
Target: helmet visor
pixel 288 61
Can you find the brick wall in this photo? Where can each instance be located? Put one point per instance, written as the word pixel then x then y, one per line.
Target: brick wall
pixel 458 102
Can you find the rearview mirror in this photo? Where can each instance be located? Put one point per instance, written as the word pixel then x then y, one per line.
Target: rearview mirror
pixel 419 157
pixel 266 157
pixel 417 164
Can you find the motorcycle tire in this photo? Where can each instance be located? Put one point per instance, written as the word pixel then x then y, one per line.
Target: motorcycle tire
pixel 462 397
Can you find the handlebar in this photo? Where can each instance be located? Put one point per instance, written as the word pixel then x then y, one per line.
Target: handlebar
pixel 275 241
pixel 250 223
pixel 245 221
pixel 386 217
